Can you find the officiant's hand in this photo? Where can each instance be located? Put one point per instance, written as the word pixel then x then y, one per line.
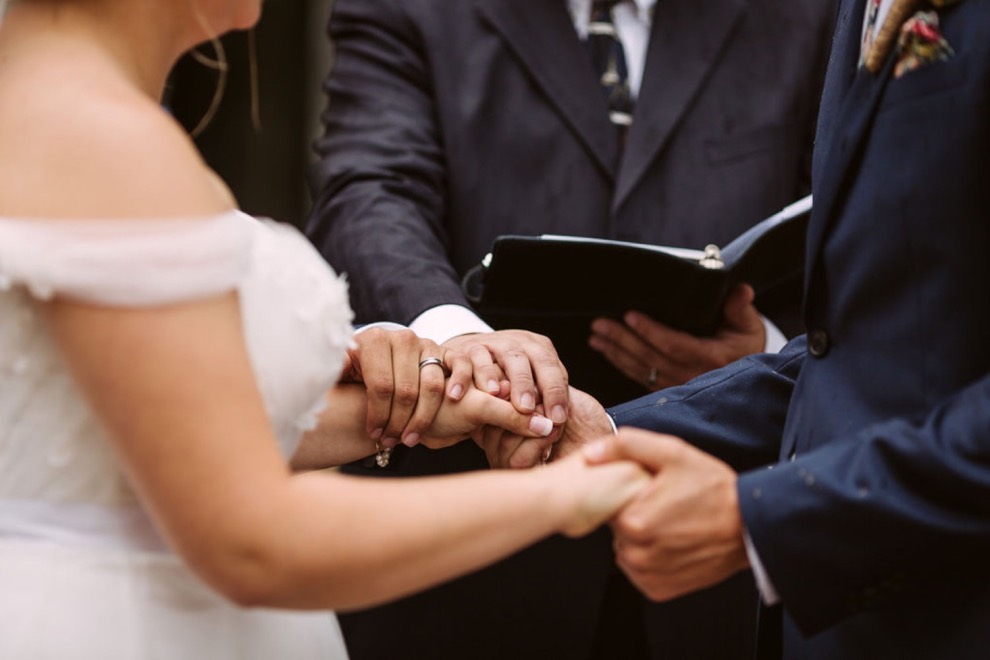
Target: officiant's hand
pixel 658 356
pixel 586 422
pixel 683 531
pixel 526 360
pixel 404 394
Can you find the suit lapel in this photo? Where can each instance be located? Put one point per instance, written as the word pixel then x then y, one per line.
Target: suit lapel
pixel 847 110
pixel 542 35
pixel 688 37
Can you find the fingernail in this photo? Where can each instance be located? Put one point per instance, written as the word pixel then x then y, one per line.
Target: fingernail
pixel 411 440
pixel 596 343
pixel 540 425
pixel 528 402
pixel 456 391
pixel 377 433
pixel 595 451
pixel 492 386
pixel 558 414
pixel 389 443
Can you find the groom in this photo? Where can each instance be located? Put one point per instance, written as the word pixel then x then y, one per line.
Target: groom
pixel 872 529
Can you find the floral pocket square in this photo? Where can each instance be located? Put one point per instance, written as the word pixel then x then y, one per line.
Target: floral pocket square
pixel 912 27
pixel 920 42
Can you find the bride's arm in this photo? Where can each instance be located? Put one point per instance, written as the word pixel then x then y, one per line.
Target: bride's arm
pixel 175 390
pixel 341 435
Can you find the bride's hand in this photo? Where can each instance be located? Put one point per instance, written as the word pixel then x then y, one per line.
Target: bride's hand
pixel 587 421
pixel 404 393
pixel 476 410
pixel 590 496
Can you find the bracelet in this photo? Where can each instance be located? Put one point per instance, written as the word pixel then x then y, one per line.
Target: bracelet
pixel 383 456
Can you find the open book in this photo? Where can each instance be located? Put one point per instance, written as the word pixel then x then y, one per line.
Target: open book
pixel 555 285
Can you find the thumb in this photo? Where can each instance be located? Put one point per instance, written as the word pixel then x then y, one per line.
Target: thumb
pixel 651 450
pixel 739 311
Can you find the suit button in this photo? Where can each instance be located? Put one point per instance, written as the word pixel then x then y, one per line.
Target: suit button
pixel 818 343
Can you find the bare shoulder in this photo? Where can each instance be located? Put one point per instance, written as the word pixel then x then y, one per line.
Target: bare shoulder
pixel 80 143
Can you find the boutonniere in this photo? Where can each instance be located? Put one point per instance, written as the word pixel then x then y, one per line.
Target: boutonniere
pixel 914 26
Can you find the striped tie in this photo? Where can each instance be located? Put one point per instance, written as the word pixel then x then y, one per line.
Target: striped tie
pixel 609 61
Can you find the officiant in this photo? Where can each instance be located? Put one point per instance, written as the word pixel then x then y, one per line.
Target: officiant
pixel 450 123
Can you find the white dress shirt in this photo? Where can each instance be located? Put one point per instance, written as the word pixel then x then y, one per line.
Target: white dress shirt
pixel 632 19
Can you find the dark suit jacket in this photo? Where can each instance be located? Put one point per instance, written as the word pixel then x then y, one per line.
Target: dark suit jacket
pixel 451 122
pixel 874 525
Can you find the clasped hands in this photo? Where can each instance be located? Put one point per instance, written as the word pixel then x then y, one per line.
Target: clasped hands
pixel 681 532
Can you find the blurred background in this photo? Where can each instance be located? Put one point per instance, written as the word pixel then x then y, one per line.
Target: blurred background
pixel 266 168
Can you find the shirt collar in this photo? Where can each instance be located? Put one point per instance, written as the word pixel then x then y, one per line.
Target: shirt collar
pixel 581 8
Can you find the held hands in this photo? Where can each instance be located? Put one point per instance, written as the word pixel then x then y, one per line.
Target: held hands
pixel 592 494
pixel 657 356
pixel 528 362
pixel 683 531
pixel 403 397
pixel 406 378
pixel 586 422
pixel 476 411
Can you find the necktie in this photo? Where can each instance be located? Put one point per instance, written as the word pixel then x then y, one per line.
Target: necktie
pixel 609 61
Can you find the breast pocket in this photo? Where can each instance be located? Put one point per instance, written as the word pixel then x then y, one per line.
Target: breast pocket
pixel 745 145
pixel 926 83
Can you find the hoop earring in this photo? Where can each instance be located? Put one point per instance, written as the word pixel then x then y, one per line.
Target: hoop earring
pixel 220 65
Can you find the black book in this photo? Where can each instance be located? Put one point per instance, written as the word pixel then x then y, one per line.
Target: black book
pixel 556 285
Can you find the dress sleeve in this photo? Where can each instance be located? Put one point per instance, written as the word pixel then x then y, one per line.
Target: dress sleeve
pixel 131 263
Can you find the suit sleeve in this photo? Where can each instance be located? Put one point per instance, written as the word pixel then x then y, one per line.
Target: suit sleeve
pixel 852 523
pixel 378 186
pixel 715 411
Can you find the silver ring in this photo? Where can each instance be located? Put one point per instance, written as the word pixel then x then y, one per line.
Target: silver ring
pixel 432 360
pixel 651 378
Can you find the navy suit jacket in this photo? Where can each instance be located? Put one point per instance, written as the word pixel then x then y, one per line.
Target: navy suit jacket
pixel 451 122
pixel 873 520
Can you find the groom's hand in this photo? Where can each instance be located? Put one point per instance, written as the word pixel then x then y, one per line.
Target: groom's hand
pixel 683 532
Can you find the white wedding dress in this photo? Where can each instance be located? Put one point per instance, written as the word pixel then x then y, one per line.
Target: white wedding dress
pixel 83 573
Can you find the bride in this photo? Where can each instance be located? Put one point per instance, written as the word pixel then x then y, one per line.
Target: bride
pixel 165 363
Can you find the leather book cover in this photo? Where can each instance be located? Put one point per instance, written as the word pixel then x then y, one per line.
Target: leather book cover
pixel 556 285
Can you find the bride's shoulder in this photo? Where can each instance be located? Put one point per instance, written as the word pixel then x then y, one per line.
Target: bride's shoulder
pixel 93 146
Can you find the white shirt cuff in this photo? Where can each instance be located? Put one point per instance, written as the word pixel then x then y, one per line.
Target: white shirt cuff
pixel 763 583
pixel 445 322
pixel 775 338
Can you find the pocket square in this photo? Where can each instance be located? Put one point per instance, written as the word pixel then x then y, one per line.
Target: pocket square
pixel 920 42
pixel 917 35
